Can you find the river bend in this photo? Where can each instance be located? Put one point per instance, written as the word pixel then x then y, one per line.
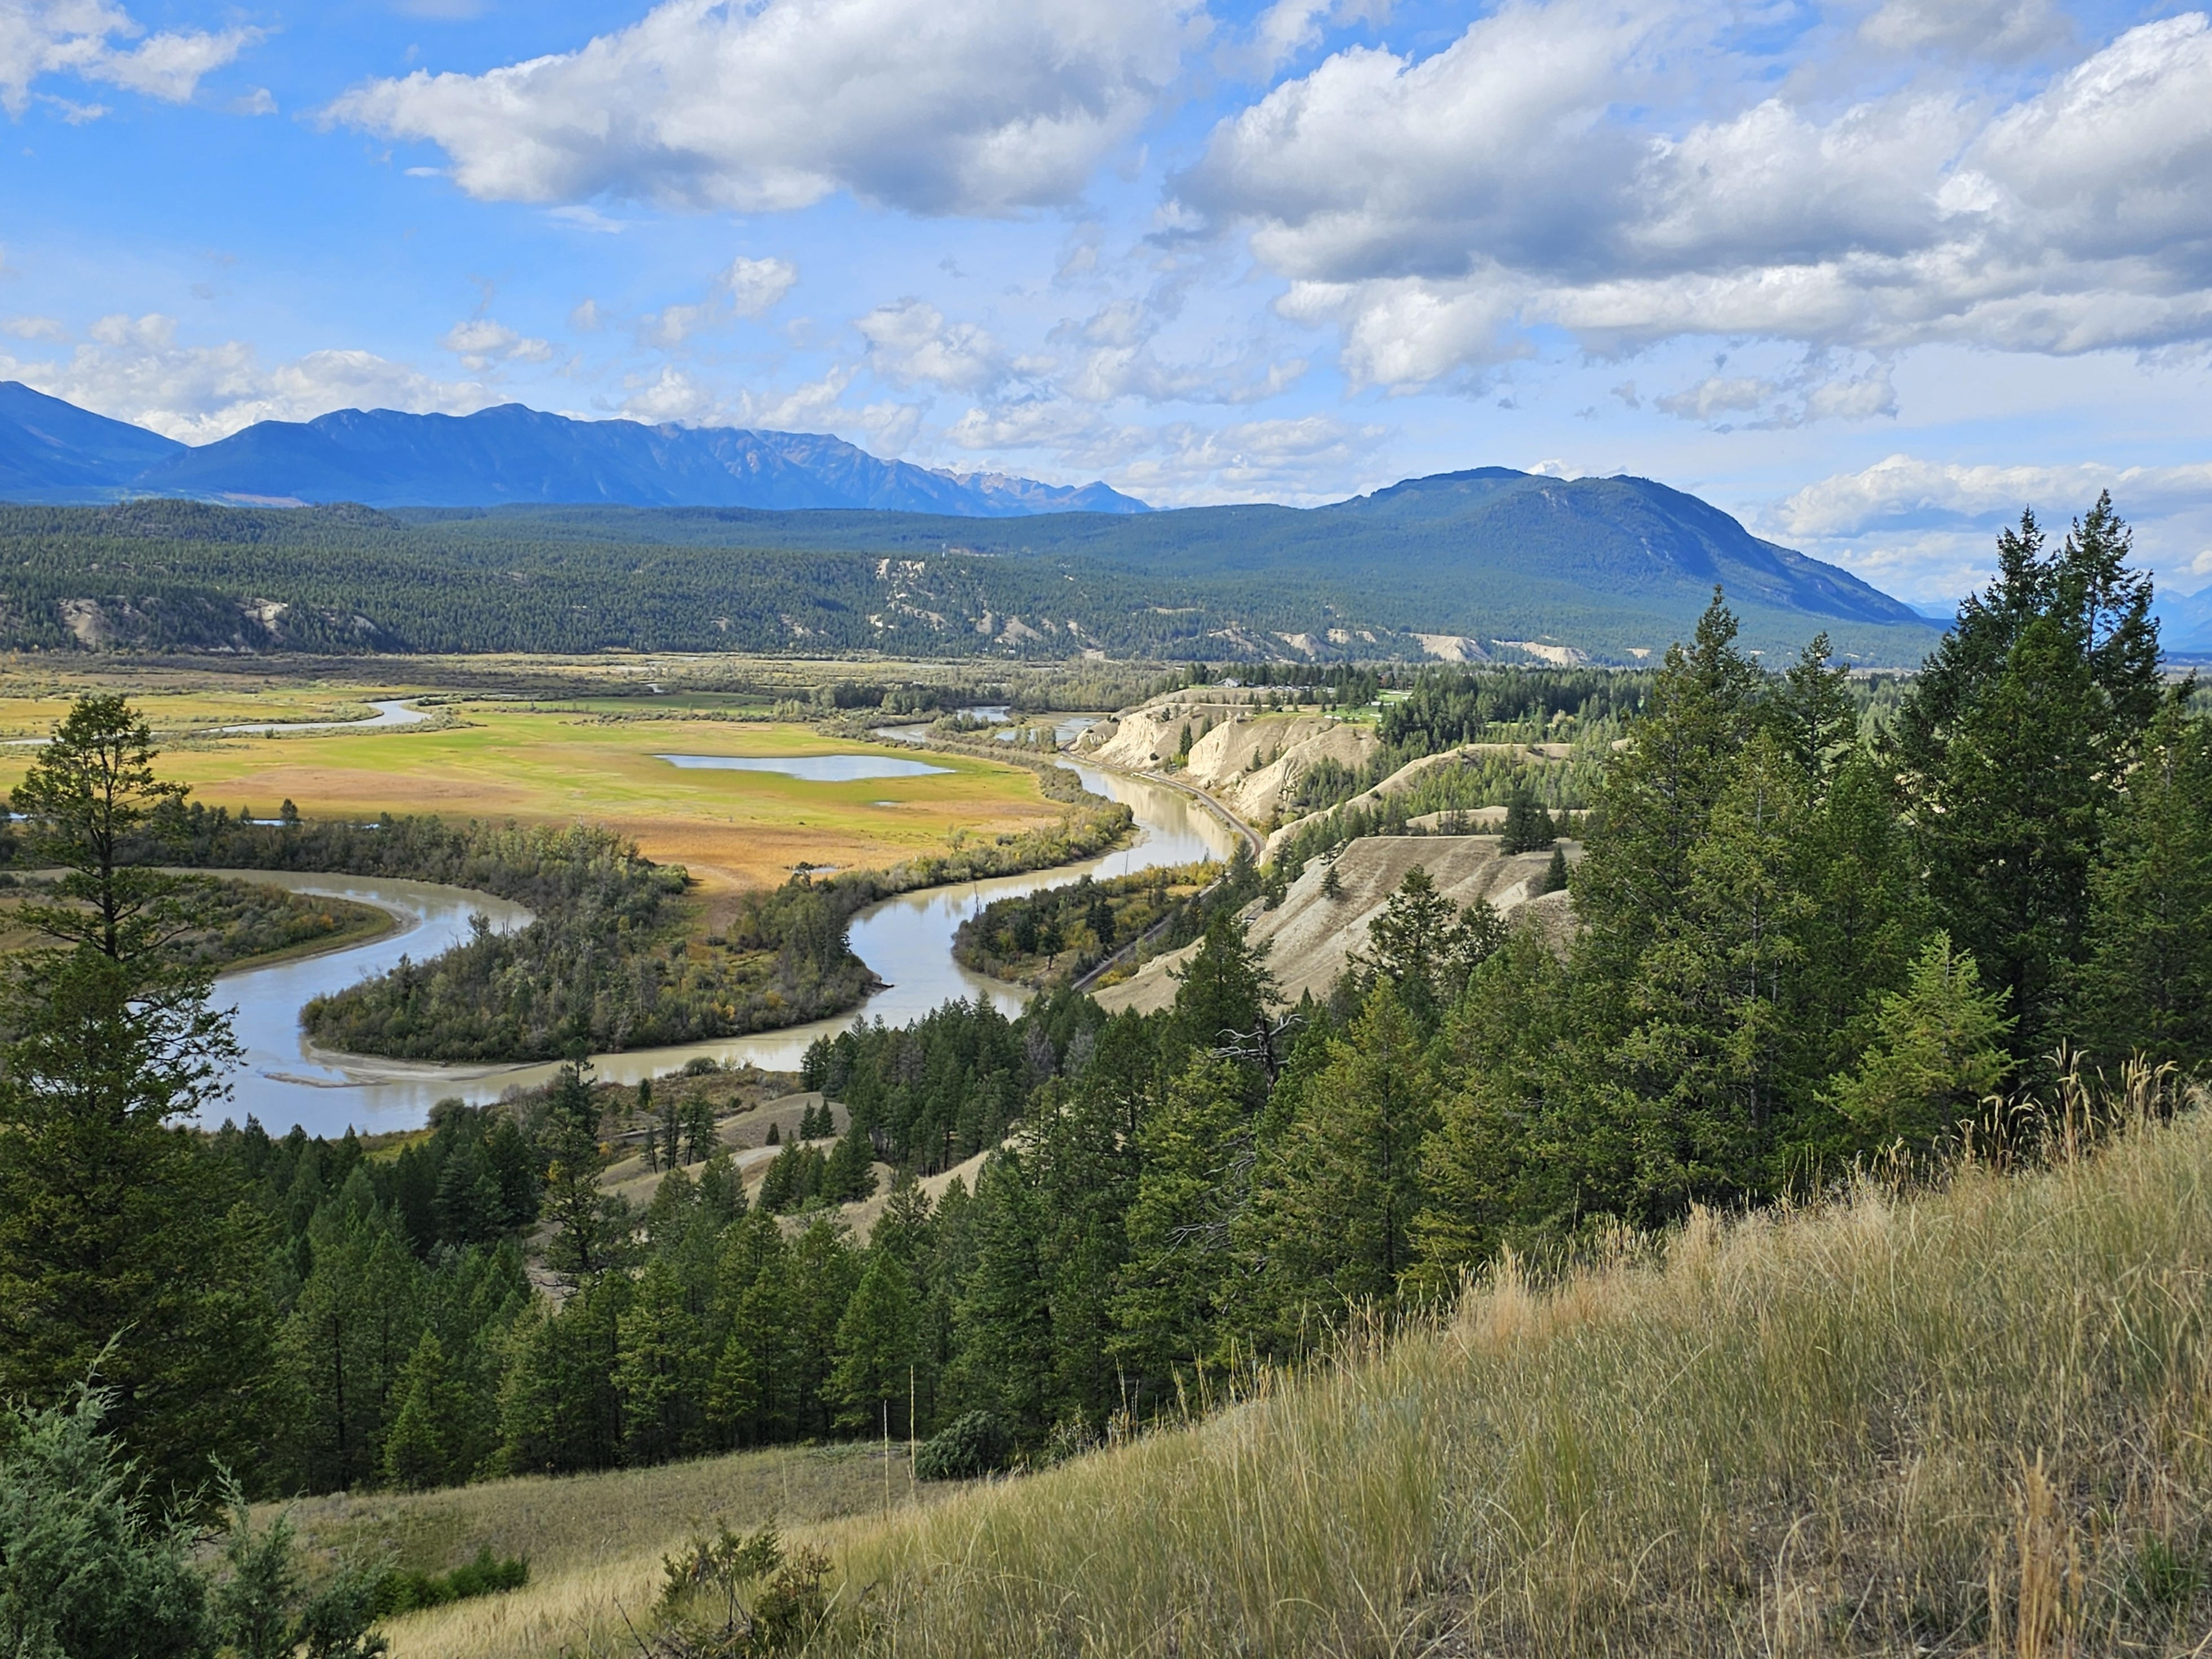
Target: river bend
pixel 907 941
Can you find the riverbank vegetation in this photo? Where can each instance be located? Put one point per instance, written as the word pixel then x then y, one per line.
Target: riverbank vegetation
pixel 233 923
pixel 1058 935
pixel 617 955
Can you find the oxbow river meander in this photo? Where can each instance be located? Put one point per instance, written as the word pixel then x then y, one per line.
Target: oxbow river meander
pixel 907 941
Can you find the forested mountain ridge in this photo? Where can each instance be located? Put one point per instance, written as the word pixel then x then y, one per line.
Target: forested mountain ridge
pixel 1425 554
pixel 1226 584
pixel 51 451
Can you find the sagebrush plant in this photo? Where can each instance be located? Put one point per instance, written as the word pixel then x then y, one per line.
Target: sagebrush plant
pixel 740 1597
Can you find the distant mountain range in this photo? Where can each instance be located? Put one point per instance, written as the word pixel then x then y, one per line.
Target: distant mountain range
pixel 527 529
pixel 52 452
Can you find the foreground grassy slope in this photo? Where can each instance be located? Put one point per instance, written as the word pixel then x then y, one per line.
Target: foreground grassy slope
pixel 1972 1423
pixel 1976 1422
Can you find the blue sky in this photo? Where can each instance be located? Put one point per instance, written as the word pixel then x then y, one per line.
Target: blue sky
pixel 1869 275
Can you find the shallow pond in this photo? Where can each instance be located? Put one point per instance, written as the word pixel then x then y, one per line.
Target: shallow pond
pixel 814 768
pixel 907 941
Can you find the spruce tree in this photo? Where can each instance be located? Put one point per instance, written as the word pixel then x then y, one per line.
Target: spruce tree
pixel 698 1129
pixel 1425 945
pixel 2145 984
pixel 1554 878
pixel 1810 714
pixel 749 1399
pixel 661 1370
pixel 721 1190
pixel 850 1174
pixel 1659 793
pixel 1332 1216
pixel 1528 826
pixel 1709 1062
pixel 671 1127
pixel 418 1448
pixel 2010 751
pixel 1196 1151
pixel 876 1351
pixel 1006 1358
pixel 587 1219
pixel 824 1269
pixel 1938 1051
pixel 1084 1169
pixel 559 1409
pixel 1223 996
pixel 1867 911
pixel 1498 1164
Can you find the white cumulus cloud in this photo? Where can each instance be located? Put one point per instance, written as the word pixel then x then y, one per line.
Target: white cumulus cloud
pixel 1927 528
pixel 94 41
pixel 986 106
pixel 1903 489
pixel 909 341
pixel 747 289
pixel 756 285
pixel 482 342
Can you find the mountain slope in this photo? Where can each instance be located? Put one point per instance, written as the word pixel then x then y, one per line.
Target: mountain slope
pixel 53 451
pixel 1607 568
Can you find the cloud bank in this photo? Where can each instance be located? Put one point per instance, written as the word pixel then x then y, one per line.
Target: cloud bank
pixel 1441 211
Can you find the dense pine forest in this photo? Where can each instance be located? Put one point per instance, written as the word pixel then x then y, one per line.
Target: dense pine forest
pixel 1810 942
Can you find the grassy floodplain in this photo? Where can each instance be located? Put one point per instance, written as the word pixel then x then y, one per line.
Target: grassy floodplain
pixel 593 761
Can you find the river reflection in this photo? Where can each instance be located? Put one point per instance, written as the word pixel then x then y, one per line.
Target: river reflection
pixel 907 941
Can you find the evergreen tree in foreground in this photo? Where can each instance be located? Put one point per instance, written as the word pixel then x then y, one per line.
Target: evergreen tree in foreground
pixel 2011 751
pixel 126 1255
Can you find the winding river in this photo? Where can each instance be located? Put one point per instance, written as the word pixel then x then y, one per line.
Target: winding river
pixel 907 940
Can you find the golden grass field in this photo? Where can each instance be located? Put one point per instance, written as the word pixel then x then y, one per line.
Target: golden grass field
pixel 568 764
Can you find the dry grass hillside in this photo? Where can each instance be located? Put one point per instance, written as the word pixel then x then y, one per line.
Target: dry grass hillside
pixel 1468 754
pixel 1310 936
pixel 741 1126
pixel 593 1541
pixel 1972 1422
